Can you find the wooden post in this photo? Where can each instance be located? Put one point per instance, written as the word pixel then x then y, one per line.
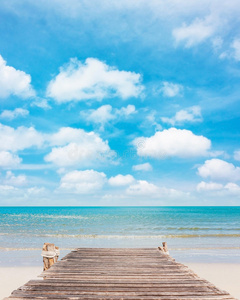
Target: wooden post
pixel 164 248
pixel 57 254
pixel 50 255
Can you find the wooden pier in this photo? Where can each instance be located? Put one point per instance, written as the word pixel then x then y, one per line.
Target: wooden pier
pixel 100 273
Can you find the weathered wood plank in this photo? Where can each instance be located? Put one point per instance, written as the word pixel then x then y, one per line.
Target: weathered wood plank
pixel 146 273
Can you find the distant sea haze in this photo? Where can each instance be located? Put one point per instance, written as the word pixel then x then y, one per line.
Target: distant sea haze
pixel 184 228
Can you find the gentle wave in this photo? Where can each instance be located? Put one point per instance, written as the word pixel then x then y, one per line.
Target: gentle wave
pixel 202 228
pixel 29 249
pixel 92 218
pixel 47 216
pixel 97 236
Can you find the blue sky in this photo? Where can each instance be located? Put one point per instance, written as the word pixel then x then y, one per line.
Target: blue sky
pixel 119 103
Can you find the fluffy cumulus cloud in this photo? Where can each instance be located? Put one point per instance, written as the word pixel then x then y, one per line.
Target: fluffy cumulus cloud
pixel 93 80
pixel 172 142
pixel 19 138
pixel 101 115
pixel 170 89
pixel 143 188
pixel 76 147
pixel 9 160
pixel 209 186
pixel 13 180
pixel 121 180
pixel 14 82
pixel 217 169
pixel 196 32
pixel 106 113
pixel 219 189
pixel 12 114
pixel 191 114
pixel 8 190
pixel 142 167
pixel 82 182
pixel 126 111
pixel 10 194
pixel 41 103
pixel 233 188
pixel 70 146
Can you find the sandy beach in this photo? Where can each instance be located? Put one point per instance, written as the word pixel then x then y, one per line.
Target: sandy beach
pixel 14 277
pixel 224 276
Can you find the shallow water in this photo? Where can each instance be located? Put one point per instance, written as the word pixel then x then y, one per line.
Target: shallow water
pixel 192 232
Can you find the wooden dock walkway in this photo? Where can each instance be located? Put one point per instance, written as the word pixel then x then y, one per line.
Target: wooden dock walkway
pixel 100 273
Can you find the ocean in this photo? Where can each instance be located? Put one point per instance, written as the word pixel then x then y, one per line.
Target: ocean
pixel 209 234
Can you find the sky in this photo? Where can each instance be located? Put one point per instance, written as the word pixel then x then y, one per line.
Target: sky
pixel 110 103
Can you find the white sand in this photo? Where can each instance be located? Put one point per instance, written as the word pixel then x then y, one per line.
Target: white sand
pixel 224 276
pixel 12 278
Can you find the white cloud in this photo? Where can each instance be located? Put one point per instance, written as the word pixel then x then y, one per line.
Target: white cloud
pixel 13 180
pixel 191 114
pixel 71 146
pixel 233 188
pixel 12 114
pixel 14 82
pixel 20 138
pixel 78 148
pixel 219 189
pixel 195 33
pixel 209 186
pixel 170 89
pixel 142 167
pixel 105 113
pixel 236 49
pixel 93 80
pixel 143 188
pixel 218 169
pixel 9 160
pixel 17 194
pixel 42 103
pixel 82 182
pixel 36 191
pixel 126 111
pixel 233 52
pixel 66 135
pixel 101 116
pixel 172 142
pixel 6 189
pixel 121 180
pixel 237 155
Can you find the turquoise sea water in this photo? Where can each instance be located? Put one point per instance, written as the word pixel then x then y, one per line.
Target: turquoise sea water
pixel 191 232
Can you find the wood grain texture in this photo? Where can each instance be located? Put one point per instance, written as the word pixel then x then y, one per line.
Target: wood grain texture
pixel 107 273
